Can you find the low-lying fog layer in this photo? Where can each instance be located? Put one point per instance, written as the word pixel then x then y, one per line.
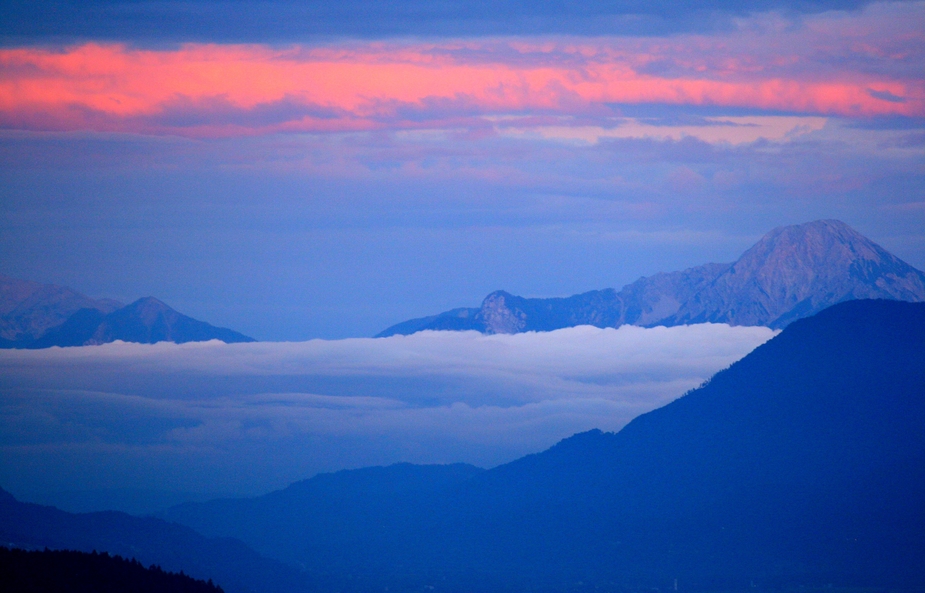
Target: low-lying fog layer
pixel 248 418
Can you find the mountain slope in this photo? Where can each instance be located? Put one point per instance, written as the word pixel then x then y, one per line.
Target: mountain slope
pixel 325 516
pixel 461 319
pixel 797 271
pixel 148 320
pixel 803 463
pixel 651 299
pixel 804 460
pixel 145 321
pixel 29 309
pixel 791 273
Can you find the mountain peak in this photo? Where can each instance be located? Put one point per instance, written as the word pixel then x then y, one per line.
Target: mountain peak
pixel 150 302
pixel 819 244
pixel 148 309
pixel 796 271
pixel 149 320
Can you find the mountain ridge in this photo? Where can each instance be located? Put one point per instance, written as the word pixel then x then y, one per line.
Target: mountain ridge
pixel 149 540
pixel 803 463
pixel 791 273
pixel 149 320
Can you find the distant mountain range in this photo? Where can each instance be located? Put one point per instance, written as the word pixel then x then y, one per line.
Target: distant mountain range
pixel 803 464
pixel 36 315
pixel 791 273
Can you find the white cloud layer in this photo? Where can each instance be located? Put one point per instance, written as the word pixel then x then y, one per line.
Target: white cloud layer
pixel 247 418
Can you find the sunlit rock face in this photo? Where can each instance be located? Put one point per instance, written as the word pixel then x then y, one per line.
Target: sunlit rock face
pixel 499 318
pixel 791 273
pixel 797 271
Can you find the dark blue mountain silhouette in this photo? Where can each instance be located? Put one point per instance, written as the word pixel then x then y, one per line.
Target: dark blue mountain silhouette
pixel 77 330
pixel 229 562
pixel 326 516
pixel 68 571
pixel 801 464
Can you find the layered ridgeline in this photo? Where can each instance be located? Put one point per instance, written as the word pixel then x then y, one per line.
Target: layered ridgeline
pixel 801 464
pixel 67 571
pixel 792 272
pixel 229 563
pixel 36 315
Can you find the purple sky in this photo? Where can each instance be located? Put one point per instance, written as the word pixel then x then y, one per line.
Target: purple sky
pixel 296 186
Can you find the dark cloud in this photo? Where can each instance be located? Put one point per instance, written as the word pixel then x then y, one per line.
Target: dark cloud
pixel 886 96
pixel 149 21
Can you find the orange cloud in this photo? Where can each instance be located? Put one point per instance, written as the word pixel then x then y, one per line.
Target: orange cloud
pixel 204 90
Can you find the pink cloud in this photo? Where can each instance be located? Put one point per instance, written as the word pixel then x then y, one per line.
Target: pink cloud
pixel 866 64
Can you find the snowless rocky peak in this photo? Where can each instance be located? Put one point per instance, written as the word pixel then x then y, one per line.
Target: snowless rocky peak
pixel 796 271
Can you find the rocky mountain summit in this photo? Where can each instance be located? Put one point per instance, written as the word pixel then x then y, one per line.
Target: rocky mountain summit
pixel 29 309
pixel 791 273
pixel 797 271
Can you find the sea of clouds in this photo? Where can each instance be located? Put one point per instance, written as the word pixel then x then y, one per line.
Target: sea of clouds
pixel 248 418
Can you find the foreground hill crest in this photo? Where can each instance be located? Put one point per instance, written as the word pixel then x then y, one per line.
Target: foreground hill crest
pixel 791 273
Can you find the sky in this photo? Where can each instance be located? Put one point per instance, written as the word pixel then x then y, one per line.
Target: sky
pixel 299 170
pixel 244 419
pixel 309 173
